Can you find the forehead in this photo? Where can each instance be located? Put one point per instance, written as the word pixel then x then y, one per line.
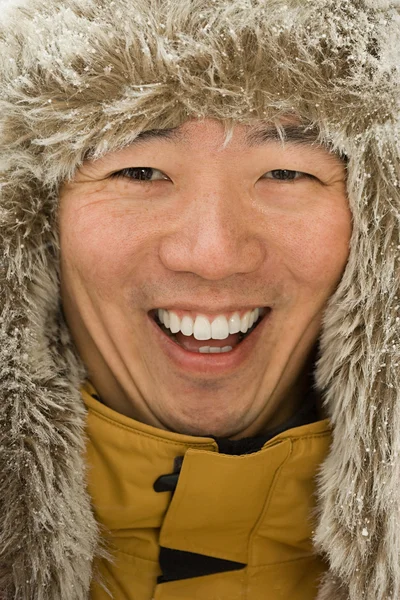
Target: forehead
pixel 225 141
pixel 212 133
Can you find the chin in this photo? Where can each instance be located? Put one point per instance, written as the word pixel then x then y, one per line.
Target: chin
pixel 223 426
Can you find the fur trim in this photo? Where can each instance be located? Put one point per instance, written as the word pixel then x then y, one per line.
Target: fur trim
pixel 332 589
pixel 82 77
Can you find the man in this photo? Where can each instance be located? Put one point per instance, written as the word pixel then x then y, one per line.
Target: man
pixel 199 289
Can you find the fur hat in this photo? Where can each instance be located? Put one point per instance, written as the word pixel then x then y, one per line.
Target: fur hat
pixel 79 78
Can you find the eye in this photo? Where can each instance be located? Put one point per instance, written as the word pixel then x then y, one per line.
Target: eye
pixel 142 174
pixel 285 175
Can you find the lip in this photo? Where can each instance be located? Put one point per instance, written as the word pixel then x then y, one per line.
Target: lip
pixel 210 364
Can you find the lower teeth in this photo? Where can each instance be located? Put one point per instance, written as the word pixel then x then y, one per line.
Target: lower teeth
pixel 214 349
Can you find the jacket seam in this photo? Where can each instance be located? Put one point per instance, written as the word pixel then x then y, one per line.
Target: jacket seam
pixel 284 562
pixel 311 436
pixel 264 512
pixel 117 550
pixel 186 445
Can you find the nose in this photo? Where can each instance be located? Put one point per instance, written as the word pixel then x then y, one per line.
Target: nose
pixel 214 235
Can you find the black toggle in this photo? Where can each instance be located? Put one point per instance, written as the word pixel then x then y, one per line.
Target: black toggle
pixel 178 564
pixel 168 483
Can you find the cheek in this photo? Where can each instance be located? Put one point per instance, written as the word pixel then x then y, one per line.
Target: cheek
pixel 97 248
pixel 316 248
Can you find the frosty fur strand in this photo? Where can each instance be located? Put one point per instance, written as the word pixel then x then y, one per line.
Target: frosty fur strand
pixel 82 78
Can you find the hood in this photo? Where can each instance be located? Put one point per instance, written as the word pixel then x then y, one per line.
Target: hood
pixel 80 78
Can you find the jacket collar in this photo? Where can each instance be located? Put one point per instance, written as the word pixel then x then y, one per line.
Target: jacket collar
pixel 126 458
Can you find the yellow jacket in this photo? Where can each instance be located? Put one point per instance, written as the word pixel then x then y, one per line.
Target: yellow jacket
pixel 235 527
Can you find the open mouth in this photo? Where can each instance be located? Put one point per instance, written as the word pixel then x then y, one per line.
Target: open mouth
pixel 210 345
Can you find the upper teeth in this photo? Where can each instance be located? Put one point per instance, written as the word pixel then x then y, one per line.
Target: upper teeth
pixel 204 329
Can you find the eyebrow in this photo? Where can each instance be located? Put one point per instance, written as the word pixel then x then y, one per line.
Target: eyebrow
pixel 256 136
pixel 174 134
pixel 294 134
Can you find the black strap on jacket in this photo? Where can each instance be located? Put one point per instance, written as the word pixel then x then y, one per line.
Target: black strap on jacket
pixel 177 565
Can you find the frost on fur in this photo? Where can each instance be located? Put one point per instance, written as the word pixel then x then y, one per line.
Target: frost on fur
pixel 81 78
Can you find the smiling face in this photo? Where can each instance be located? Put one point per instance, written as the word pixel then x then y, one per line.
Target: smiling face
pixel 208 234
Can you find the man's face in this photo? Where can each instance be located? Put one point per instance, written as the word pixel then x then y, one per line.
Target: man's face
pixel 211 232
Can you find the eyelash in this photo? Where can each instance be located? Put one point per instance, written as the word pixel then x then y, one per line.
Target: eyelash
pixel 301 173
pixel 127 173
